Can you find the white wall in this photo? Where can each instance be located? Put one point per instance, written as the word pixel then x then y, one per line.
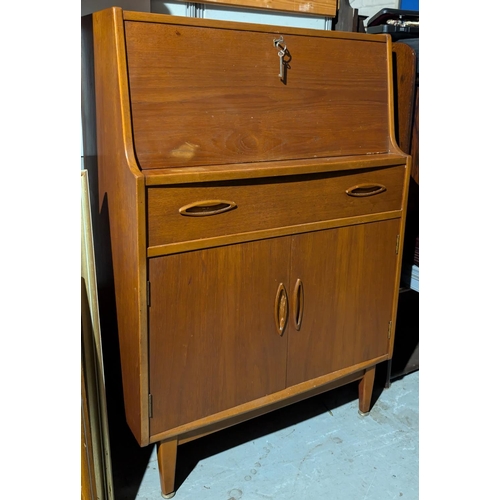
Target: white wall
pixel 226 13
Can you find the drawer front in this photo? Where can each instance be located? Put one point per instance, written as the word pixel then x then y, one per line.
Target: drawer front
pixel 193 212
pixel 211 96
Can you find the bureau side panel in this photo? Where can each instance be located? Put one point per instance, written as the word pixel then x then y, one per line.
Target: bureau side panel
pixel 402 228
pixel 122 216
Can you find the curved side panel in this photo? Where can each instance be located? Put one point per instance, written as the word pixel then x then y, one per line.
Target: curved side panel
pixel 122 215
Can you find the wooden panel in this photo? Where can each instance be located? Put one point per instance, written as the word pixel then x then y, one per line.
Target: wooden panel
pixel 88 476
pixel 121 218
pixel 326 8
pixel 347 18
pixel 227 104
pixel 348 278
pixel 267 403
pixel 405 73
pixel 170 176
pixel 92 355
pixel 232 239
pixel 415 141
pixel 213 341
pixel 268 203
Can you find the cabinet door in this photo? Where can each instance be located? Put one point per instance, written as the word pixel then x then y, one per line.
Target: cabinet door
pixel 348 279
pixel 213 337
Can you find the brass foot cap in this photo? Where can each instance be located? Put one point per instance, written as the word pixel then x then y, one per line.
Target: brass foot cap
pixel 363 413
pixel 170 495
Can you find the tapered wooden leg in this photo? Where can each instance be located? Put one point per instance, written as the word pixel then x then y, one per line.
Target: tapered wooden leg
pixel 388 375
pixel 365 390
pixel 167 457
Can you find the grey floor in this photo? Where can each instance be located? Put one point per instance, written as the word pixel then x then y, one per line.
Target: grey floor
pixel 316 449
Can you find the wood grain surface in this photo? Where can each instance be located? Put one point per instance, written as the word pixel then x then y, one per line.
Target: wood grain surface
pixel 217 326
pixel 212 329
pixel 122 214
pixel 268 203
pixel 326 8
pixel 347 275
pixel 192 106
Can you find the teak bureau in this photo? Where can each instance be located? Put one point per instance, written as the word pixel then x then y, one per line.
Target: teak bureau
pixel 256 201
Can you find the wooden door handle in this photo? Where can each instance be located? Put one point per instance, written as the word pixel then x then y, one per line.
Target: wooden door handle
pixel 365 190
pixel 207 207
pixel 298 303
pixel 281 309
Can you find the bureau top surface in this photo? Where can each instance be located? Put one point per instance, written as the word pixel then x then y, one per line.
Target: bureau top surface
pixel 209 93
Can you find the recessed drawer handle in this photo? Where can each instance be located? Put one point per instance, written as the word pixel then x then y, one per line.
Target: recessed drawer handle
pixel 298 304
pixel 281 309
pixel 366 190
pixel 207 207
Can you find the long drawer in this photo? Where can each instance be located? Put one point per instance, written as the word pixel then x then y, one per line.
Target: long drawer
pixel 196 211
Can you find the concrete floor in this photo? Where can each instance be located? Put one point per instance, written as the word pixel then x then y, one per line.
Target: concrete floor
pixel 316 449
